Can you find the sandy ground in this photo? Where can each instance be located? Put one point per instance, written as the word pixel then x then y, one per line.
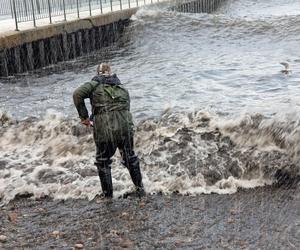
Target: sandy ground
pixel 262 218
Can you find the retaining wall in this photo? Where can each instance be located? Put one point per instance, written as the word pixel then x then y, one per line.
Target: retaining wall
pixel 32 49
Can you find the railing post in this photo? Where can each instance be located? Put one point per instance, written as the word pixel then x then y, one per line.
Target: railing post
pixel 38 6
pixel 129 4
pixel 49 8
pixel 90 7
pixel 77 5
pixel 25 5
pixel 101 8
pixel 33 13
pixel 120 4
pixel 111 8
pixel 15 14
pixel 64 6
pixel 137 2
pixel 11 9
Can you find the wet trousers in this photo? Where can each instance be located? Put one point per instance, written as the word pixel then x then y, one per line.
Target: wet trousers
pixel 105 150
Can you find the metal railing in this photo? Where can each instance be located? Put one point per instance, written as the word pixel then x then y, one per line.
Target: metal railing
pixel 60 10
pixel 5 7
pixel 33 10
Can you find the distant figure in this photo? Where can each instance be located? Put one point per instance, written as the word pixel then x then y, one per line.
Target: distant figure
pixel 112 124
pixel 286 69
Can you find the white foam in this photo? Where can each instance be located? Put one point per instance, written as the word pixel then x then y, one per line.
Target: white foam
pixel 54 156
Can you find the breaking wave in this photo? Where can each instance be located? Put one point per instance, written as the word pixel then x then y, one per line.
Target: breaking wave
pixel 189 153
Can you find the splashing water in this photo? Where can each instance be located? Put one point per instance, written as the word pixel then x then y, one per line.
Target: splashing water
pixel 189 153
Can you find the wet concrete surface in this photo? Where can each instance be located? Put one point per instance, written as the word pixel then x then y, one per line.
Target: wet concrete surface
pixel 261 218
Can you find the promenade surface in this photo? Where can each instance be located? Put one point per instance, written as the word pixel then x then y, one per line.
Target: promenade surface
pixel 262 218
pixel 8 26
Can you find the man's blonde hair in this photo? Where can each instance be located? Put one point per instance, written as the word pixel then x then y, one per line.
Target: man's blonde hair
pixel 103 68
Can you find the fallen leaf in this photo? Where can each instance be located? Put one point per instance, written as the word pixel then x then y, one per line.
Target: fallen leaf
pixel 233 211
pixel 78 246
pixel 178 242
pixel 127 244
pixel 56 233
pixel 12 217
pixel 3 238
pixel 230 221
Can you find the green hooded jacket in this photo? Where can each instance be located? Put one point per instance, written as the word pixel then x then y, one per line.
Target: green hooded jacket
pixel 110 107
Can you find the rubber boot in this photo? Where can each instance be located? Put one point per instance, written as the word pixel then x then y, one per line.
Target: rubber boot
pixel 135 174
pixel 104 172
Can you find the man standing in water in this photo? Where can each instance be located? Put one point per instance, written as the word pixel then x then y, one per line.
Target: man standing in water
pixel 113 126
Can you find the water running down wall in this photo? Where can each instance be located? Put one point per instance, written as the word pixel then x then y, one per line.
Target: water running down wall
pixel 62 42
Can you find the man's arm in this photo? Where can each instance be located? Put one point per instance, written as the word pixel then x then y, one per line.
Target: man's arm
pixel 81 93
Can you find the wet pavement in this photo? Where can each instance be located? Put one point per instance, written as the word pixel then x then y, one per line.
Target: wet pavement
pixel 261 218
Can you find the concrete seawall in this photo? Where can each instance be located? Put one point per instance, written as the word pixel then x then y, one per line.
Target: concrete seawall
pixel 22 51
pixel 32 49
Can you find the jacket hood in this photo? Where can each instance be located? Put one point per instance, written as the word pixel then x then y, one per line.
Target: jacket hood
pixel 107 79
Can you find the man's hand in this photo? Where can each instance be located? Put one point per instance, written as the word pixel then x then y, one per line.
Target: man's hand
pixel 86 122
